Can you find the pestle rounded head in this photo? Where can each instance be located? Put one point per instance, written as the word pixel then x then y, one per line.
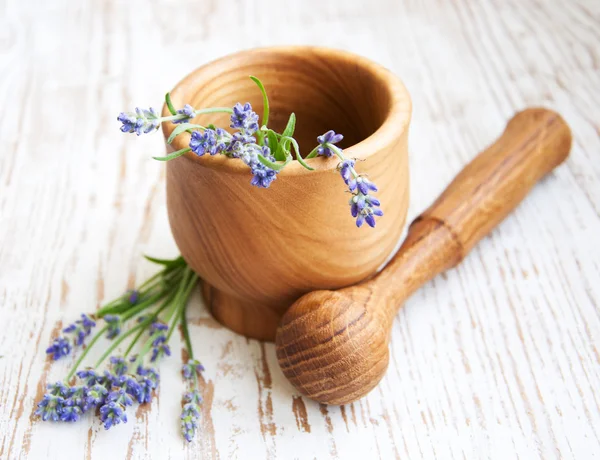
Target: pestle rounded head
pixel 333 346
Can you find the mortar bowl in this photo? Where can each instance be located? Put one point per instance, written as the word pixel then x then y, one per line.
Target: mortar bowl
pixel 258 250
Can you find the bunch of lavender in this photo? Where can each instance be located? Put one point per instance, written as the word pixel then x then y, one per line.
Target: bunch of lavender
pixel 145 319
pixel 265 151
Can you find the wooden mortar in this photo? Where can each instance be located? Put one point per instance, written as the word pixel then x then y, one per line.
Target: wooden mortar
pixel 333 346
pixel 259 250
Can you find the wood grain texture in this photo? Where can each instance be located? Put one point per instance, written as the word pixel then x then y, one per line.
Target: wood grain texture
pixel 333 345
pixel 257 254
pixel 499 358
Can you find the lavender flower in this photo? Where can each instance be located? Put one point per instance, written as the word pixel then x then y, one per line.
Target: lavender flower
pixel 80 329
pixel 202 143
pixel 186 114
pixel 131 386
pixel 114 326
pixel 148 380
pixel 212 141
pixel 121 397
pixel 96 395
pixel 191 368
pixel 330 137
pixel 78 396
pixel 190 415
pixel 113 411
pixel 363 206
pixel 119 365
pixel 111 414
pixel 262 175
pixel 50 407
pixel 161 348
pixel 58 389
pixel 60 347
pixel 70 412
pixel 133 296
pixel 141 121
pixel 158 326
pixel 244 118
pixel 90 376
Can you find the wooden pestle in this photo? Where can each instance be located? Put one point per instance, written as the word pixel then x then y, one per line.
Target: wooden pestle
pixel 333 345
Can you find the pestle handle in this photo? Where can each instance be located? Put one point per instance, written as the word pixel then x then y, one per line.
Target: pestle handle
pixel 534 142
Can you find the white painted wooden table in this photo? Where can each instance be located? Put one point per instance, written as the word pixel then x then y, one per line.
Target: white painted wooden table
pixel 498 358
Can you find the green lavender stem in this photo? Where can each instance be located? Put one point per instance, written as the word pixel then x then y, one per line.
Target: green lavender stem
pixel 117 341
pixel 85 352
pixel 149 320
pixel 184 298
pixel 186 333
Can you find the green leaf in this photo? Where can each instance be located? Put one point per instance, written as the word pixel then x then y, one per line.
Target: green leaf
pixel 298 156
pixel 265 118
pixel 166 262
pixel 287 132
pixel 270 164
pixel 181 128
pixel 170 104
pixel 274 145
pixel 173 155
pixel 290 127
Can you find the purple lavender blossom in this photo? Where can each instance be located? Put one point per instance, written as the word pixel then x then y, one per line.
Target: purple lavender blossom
pixel 186 113
pixel 112 414
pixel 80 329
pixel 363 206
pixel 60 347
pixel 330 137
pixel 262 175
pixel 119 365
pixel 148 379
pixel 58 389
pixel 70 412
pixel 244 118
pixel 202 143
pixel 50 407
pixel 364 209
pixel 158 326
pixel 133 296
pixel 120 396
pixel 114 326
pixel 96 395
pixel 141 121
pixel 191 368
pixel 78 396
pixel 131 386
pixel 161 348
pixel 190 415
pixel 90 376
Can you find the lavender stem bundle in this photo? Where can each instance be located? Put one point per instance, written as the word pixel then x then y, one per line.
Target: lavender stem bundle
pixel 144 319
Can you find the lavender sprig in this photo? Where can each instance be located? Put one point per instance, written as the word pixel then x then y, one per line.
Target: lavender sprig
pixel 192 399
pixel 363 205
pixel 263 150
pixel 144 121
